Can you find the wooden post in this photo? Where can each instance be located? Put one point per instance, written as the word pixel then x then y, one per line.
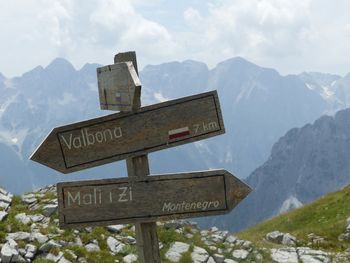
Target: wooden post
pixel 146 233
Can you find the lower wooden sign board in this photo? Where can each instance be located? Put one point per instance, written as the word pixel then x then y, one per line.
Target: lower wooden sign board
pixel 147 199
pixel 119 136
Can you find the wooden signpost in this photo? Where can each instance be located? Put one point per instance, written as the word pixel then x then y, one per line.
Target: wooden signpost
pixel 118 136
pixel 131 135
pixel 148 199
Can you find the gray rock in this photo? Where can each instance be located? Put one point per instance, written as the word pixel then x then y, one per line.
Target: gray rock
pixel 23 218
pixel 25 236
pixel 199 255
pixel 174 224
pixel 284 255
pixel 92 247
pixel 275 237
pixel 54 258
pixel 281 238
pixel 130 258
pixel 4 205
pixel 36 218
pixel 9 252
pixel 64 260
pixel 219 258
pixel 5 198
pixel 3 215
pixel 114 245
pixel 230 261
pixel 49 209
pixel 3 191
pixel 128 239
pixel 78 241
pixel 176 250
pixel 211 260
pixel 214 229
pixel 21 251
pixel 29 199
pixel 240 254
pixel 289 240
pixel 39 237
pixel 218 238
pixel 116 228
pixel 71 253
pixel 308 255
pixel 30 251
pixel 231 239
pixel 45 248
pixel 189 235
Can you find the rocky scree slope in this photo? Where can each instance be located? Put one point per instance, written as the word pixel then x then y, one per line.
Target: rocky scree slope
pixel 29 232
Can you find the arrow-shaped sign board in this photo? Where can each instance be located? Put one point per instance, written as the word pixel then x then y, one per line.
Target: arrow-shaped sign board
pixel 151 198
pixel 118 136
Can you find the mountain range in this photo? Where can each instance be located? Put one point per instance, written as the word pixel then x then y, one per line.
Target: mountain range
pixel 258 104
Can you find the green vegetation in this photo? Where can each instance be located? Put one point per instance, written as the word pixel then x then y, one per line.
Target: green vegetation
pixel 325 217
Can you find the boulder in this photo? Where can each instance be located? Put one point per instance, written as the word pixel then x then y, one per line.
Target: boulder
pixel 219 258
pixel 281 238
pixel 199 255
pixel 25 236
pixel 3 215
pixel 240 254
pixel 53 257
pixel 130 258
pixel 30 252
pixel 23 218
pixel 39 237
pixel 45 248
pixel 9 252
pixel 36 218
pixel 176 250
pixel 114 245
pixel 91 247
pixel 5 198
pixel 49 209
pixel 285 255
pixel 116 228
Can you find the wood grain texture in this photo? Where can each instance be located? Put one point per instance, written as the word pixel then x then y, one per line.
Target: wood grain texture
pixel 116 86
pixel 146 233
pixel 131 56
pixel 149 198
pixel 119 136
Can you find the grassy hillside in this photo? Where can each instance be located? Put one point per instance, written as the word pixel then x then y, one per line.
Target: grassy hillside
pixel 325 218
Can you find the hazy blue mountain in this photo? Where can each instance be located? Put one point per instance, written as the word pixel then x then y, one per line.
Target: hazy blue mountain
pixel 258 104
pixel 304 164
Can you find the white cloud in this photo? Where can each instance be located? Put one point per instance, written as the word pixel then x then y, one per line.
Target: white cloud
pixel 81 31
pixel 290 36
pixel 253 29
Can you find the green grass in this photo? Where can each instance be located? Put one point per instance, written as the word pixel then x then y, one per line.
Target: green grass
pixel 325 217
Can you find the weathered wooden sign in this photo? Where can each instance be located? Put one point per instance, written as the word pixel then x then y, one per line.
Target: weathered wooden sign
pixel 118 136
pixel 117 86
pixel 151 198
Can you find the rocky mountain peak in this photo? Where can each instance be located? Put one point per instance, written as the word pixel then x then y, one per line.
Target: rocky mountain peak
pixel 306 163
pixel 60 65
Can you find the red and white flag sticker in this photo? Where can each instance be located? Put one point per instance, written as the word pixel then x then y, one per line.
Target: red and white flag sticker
pixel 177 133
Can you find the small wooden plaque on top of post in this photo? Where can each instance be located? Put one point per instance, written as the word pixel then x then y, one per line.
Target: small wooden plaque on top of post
pixel 117 86
pixel 146 233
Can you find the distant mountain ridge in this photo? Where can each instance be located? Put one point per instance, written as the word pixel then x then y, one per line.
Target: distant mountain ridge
pixel 258 104
pixel 304 165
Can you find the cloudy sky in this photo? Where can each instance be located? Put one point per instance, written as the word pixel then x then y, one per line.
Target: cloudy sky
pixel 290 36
